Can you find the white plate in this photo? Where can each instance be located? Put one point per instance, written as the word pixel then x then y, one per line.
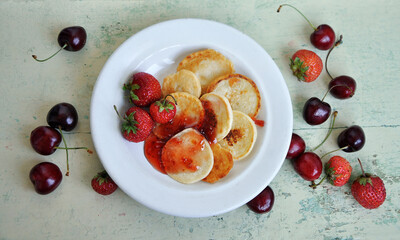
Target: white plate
pixel 157 50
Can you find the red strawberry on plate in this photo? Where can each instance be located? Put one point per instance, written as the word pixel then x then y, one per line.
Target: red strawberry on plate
pixel 103 184
pixel 338 171
pixel 369 190
pixel 137 124
pixel 144 89
pixel 306 65
pixel 163 111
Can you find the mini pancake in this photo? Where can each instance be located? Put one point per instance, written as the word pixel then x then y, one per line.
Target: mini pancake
pixel 189 113
pixel 218 116
pixel 223 163
pixel 242 136
pixel 187 157
pixel 241 92
pixel 207 65
pixel 181 81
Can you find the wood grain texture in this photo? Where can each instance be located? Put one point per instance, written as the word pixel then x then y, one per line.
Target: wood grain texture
pixel 370 54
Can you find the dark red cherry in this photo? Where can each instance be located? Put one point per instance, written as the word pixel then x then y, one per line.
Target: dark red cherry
pixel 71 39
pixel 308 166
pixel 323 37
pixel 63 115
pixel 74 37
pixel 263 202
pixel 46 177
pixel 353 137
pixel 296 148
pixel 316 111
pixel 342 87
pixel 44 140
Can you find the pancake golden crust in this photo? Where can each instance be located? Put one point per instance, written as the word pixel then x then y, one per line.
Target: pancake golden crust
pixel 207 65
pixel 182 81
pixel 223 163
pixel 242 136
pixel 241 91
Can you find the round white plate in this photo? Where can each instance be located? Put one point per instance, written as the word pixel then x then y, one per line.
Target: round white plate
pixel 158 50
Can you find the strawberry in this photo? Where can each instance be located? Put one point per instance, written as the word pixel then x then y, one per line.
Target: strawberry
pixel 306 65
pixel 163 111
pixel 103 184
pixel 338 171
pixel 368 190
pixel 137 124
pixel 144 89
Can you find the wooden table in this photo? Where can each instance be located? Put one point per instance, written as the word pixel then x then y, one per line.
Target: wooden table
pixel 370 54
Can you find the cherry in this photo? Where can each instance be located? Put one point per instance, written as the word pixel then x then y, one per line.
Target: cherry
pixel 308 166
pixel 263 202
pixel 341 87
pixel 323 36
pixel 63 115
pixel 316 111
pixel 351 139
pixel 46 177
pixel 296 148
pixel 71 39
pixel 45 140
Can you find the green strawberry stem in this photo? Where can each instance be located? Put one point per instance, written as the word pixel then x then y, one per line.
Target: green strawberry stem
pixel 334 114
pixel 66 150
pixel 298 12
pixel 338 42
pixel 362 169
pixel 115 108
pixel 314 186
pixel 43 60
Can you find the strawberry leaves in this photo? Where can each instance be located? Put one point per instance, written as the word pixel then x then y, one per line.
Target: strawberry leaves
pixel 102 177
pixel 129 124
pixel 298 69
pixel 364 180
pixel 131 87
pixel 164 105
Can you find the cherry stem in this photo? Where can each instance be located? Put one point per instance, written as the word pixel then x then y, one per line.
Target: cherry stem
pixel 73 148
pixel 334 114
pixel 66 150
pixel 115 108
pixel 314 186
pixel 338 42
pixel 333 151
pixel 165 99
pixel 298 12
pixel 362 169
pixel 43 60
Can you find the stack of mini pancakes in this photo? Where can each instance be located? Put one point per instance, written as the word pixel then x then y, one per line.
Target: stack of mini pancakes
pixel 207 76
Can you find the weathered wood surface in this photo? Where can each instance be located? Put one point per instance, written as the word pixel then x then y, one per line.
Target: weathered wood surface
pixel 370 54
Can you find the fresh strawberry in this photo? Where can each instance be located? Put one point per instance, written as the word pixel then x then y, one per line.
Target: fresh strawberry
pixel 137 124
pixel 368 190
pixel 338 171
pixel 163 111
pixel 144 89
pixel 306 65
pixel 103 184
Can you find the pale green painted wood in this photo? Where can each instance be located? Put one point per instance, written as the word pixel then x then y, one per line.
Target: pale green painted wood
pixel 370 54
